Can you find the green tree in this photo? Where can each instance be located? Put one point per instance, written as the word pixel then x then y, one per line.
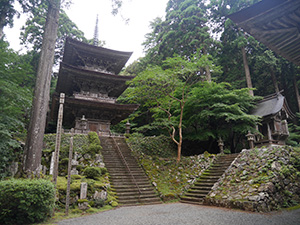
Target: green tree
pixel 8 11
pixel 32 32
pixel 165 91
pixel 184 32
pixel 34 141
pixel 216 110
pixel 16 78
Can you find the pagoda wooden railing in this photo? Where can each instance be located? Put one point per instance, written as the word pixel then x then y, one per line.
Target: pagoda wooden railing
pixel 127 166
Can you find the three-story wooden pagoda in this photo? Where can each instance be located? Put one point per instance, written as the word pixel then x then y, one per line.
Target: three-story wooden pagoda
pixel 89 78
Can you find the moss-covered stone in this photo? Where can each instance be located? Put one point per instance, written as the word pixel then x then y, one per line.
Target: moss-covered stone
pixel 263 179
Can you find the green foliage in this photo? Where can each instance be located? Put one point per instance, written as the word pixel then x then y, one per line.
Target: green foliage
pixel 26 201
pixel 93 172
pixel 157 146
pixel 294 130
pixel 164 90
pixel 182 32
pixel 15 100
pixel 32 32
pixel 216 110
pixel 94 144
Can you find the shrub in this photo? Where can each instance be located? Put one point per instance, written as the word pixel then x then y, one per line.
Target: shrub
pixel 160 146
pixel 26 201
pixel 94 144
pixel 92 172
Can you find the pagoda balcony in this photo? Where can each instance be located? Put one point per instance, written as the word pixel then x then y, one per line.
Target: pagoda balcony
pixel 94 97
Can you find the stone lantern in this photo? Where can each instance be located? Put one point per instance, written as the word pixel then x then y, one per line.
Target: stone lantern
pixel 83 124
pixel 221 145
pixel 250 139
pixel 127 127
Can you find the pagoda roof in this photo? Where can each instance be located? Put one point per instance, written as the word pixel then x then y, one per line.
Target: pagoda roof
pixel 92 109
pixel 274 23
pixel 70 76
pixel 77 53
pixel 271 105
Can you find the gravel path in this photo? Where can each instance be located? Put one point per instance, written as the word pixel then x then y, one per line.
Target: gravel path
pixel 185 214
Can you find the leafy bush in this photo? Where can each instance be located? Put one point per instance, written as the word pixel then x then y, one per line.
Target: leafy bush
pixel 26 201
pixel 160 146
pixel 93 172
pixel 94 144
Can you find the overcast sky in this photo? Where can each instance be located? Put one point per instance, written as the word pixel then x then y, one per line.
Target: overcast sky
pixel 112 29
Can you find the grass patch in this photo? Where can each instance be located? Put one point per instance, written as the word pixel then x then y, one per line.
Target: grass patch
pixel 59 216
pixel 293 207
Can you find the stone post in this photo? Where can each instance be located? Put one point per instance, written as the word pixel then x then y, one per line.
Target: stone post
pixel 250 139
pixel 69 173
pixel 52 163
pixel 83 190
pixel 127 131
pixel 58 136
pixel 221 145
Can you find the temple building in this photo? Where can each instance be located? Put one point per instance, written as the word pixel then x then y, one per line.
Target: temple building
pixel 88 77
pixel 274 23
pixel 273 129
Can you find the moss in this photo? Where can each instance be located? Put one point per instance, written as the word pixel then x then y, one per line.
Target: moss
pixel 76 177
pixel 76 211
pixel 75 185
pixel 82 200
pixel 61 183
pixel 92 210
pixel 114 204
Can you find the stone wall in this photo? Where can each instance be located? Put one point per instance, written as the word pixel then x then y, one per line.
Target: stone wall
pixel 260 180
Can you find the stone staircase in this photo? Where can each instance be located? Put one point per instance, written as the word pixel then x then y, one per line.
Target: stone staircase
pixel 209 177
pixel 126 176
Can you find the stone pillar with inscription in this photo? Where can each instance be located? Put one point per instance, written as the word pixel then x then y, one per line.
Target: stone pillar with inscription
pixel 58 136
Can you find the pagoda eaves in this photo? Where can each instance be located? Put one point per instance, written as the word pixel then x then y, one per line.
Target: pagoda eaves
pixel 83 55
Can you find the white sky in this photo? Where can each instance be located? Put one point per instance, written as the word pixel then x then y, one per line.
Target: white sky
pixel 112 29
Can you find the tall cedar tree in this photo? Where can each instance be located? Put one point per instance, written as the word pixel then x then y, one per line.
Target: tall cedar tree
pixel 183 32
pixel 35 135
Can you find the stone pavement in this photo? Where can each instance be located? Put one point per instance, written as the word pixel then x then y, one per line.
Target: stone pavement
pixel 185 214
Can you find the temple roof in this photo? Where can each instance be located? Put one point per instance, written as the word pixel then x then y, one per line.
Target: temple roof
pixel 275 23
pixel 80 54
pixel 70 77
pixel 271 105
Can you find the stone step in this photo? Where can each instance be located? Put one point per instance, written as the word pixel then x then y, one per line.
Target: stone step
pixel 125 173
pixel 204 183
pixel 145 201
pixel 127 183
pixel 134 189
pixel 203 187
pixel 121 178
pixel 135 193
pixel 199 191
pixel 125 179
pixel 195 195
pixel 187 199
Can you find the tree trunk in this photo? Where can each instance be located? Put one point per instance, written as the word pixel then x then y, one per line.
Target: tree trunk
pixel 296 91
pixel 35 135
pixel 2 23
pixel 247 71
pixel 179 145
pixel 208 74
pixel 274 79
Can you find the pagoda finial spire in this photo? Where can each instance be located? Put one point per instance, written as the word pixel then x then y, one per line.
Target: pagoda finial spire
pixel 96 34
